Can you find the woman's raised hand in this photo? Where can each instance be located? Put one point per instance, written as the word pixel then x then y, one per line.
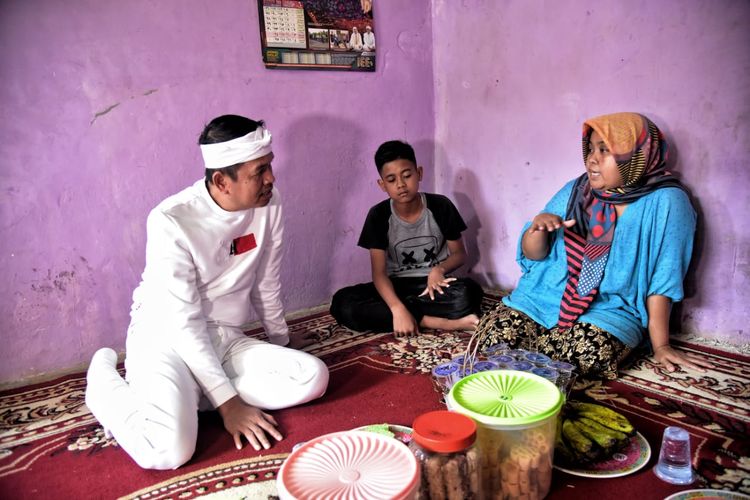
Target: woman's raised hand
pixel 549 222
pixel 535 243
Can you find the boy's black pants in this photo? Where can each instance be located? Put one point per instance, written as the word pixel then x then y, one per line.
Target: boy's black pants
pixel 361 308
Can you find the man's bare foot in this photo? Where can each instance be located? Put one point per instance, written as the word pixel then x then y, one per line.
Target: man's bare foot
pixel 466 323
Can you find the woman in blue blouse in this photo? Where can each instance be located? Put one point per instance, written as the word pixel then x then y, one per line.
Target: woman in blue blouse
pixel 605 259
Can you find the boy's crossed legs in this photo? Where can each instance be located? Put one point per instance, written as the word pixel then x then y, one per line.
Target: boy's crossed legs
pixel 360 307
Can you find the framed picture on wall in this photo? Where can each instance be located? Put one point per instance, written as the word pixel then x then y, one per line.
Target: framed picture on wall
pixel 317 34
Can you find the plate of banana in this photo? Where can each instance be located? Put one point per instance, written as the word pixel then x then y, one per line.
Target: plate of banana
pixel 596 441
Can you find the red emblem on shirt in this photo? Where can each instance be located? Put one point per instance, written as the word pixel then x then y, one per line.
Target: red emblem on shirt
pixel 243 244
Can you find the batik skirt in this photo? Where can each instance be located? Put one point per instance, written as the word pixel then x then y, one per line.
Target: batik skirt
pixel 594 351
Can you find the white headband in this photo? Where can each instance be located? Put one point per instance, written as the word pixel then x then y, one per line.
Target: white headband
pixel 252 146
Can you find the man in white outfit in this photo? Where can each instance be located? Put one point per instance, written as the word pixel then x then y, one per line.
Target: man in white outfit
pixel 213 253
pixel 368 39
pixel 355 41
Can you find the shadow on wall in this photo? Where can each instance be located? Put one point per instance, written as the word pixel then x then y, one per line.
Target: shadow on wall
pixel 320 174
pixel 466 196
pixel 680 313
pixel 424 151
pixel 462 187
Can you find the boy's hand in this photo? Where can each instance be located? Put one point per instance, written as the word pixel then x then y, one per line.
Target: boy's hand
pixel 404 324
pixel 436 281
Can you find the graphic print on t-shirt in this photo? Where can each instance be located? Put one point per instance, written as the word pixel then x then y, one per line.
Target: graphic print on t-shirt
pixel 412 248
pixel 413 253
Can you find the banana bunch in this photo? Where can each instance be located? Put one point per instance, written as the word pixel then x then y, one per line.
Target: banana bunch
pixel 590 432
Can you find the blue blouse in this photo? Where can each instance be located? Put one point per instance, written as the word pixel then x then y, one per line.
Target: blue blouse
pixel 650 254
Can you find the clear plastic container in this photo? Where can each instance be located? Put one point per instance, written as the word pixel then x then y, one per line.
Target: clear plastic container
pixel 444 443
pixel 521 366
pixel 516 414
pixel 537 359
pixel 483 366
pixel 502 360
pixel 518 354
pixel 495 349
pixel 566 374
pixel 546 372
pixel 479 366
pixel 459 360
pixel 444 375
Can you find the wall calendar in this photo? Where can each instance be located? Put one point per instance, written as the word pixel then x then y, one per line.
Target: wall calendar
pixel 317 34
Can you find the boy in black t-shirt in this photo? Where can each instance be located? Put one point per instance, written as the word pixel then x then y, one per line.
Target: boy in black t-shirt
pixel 415 243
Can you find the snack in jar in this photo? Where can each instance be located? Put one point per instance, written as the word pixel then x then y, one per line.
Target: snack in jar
pixel 444 443
pixel 517 416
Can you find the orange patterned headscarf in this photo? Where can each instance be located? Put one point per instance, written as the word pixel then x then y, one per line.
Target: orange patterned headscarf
pixel 638 146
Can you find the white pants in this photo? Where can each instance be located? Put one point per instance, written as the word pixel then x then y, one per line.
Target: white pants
pixel 154 415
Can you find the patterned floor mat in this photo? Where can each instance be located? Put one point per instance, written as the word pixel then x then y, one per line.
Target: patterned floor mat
pixel 50 445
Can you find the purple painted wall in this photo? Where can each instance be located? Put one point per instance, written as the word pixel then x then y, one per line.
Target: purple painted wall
pixel 514 81
pixel 102 104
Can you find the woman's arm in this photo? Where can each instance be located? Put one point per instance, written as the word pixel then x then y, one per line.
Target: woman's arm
pixel 535 241
pixel 658 307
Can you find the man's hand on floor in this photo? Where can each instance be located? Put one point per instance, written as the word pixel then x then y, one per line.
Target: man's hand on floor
pixel 301 340
pixel 241 419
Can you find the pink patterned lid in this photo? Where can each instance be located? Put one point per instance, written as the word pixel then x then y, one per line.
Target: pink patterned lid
pixel 349 465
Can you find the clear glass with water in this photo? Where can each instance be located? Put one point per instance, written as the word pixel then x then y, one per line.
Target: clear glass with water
pixel 674 464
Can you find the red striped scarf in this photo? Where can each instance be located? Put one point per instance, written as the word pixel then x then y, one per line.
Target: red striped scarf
pixel 587 259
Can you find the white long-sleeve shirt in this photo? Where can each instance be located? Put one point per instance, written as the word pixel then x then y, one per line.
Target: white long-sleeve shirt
pixel 355 42
pixel 368 40
pixel 192 287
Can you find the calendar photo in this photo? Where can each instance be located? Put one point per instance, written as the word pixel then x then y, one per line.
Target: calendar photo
pixel 318 34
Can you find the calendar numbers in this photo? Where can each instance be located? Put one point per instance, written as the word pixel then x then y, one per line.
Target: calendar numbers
pixel 365 62
pixel 285 24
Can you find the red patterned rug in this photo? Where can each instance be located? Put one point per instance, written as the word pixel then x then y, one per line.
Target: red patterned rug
pixel 50 445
